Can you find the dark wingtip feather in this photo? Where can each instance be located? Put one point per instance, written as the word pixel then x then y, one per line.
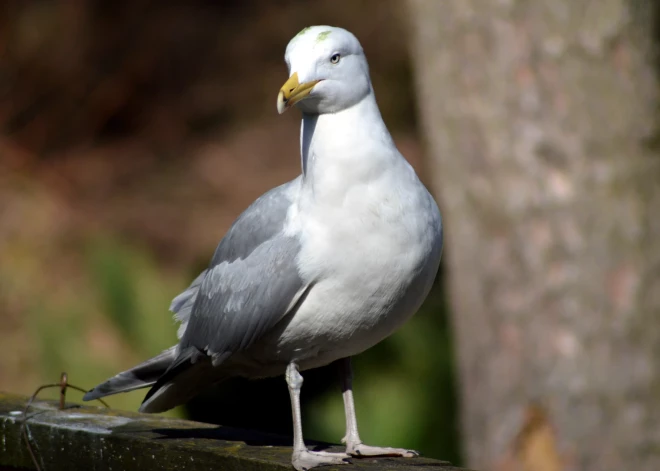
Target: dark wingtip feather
pixel 138 377
pixel 90 395
pixel 181 363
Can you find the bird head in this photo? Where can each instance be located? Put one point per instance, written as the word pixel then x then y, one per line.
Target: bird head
pixel 328 71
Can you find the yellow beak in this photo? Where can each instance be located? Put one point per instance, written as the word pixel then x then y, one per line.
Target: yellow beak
pixel 292 92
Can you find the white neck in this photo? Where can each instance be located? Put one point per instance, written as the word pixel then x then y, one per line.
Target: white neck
pixel 353 142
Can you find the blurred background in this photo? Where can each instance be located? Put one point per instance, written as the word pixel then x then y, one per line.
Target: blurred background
pixel 132 133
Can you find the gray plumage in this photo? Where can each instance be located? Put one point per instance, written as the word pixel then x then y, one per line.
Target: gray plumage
pixel 316 270
pixel 141 376
pixel 251 283
pixel 182 305
pixel 259 227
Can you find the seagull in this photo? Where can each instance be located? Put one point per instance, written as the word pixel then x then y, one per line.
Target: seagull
pixel 316 270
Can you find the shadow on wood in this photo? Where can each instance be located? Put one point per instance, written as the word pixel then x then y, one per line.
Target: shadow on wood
pixel 92 438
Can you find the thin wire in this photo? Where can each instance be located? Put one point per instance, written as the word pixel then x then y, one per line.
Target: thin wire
pixel 63 385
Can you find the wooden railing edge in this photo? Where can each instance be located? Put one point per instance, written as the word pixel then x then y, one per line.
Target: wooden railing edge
pixel 82 437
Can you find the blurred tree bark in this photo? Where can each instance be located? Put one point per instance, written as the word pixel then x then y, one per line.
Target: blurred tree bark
pixel 541 121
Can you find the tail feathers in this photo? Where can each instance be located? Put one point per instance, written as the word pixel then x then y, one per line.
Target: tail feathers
pixel 141 376
pixel 189 374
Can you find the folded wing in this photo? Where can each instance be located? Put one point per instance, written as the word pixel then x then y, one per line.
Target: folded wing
pixel 251 283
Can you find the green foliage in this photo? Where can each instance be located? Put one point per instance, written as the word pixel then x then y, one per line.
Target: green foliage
pixel 120 320
pixel 111 267
pixel 133 293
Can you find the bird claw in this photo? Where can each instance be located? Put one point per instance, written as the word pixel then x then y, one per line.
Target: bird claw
pixel 361 450
pixel 306 459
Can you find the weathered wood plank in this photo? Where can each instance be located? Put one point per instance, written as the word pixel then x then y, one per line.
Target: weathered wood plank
pixel 92 438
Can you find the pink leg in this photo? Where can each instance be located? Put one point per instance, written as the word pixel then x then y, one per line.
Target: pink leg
pixel 354 445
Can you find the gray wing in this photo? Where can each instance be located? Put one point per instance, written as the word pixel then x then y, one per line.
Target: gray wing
pixel 182 305
pixel 251 283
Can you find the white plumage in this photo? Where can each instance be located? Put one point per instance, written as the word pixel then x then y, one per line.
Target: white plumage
pixel 316 270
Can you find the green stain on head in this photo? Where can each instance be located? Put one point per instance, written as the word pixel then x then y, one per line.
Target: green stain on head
pixel 322 35
pixel 303 31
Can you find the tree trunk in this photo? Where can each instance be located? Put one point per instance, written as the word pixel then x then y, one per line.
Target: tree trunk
pixel 541 125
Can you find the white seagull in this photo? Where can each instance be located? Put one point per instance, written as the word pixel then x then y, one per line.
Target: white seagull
pixel 316 270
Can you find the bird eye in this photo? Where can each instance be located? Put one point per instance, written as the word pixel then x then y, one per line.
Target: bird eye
pixel 335 58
